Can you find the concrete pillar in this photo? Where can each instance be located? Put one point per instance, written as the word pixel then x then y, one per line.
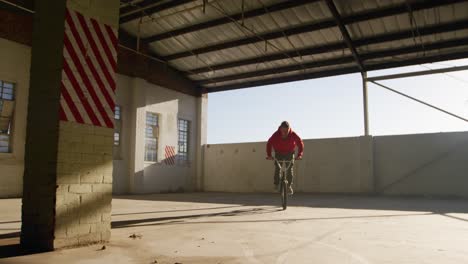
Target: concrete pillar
pixel 202 126
pixel 67 188
pixel 365 104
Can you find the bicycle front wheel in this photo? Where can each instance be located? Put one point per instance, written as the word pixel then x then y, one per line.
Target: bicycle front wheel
pixel 284 195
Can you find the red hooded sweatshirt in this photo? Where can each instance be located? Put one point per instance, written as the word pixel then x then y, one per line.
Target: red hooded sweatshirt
pixel 285 146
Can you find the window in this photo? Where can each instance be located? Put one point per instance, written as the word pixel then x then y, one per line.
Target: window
pixel 116 139
pixel 6 91
pixel 7 104
pixel 151 137
pixel 117 112
pixel 183 129
pixel 117 131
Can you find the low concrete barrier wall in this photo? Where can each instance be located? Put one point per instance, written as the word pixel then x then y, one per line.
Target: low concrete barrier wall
pixel 421 164
pixel 329 165
pixel 425 164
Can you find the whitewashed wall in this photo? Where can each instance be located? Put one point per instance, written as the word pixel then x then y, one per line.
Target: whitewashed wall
pixel 135 96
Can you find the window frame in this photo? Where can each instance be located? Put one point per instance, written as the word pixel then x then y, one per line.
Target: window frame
pixel 117 131
pixel 183 156
pixel 154 139
pixel 117 142
pixel 11 129
pixel 118 111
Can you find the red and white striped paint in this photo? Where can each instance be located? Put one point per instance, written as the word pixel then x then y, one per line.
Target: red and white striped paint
pixel 170 157
pixel 88 75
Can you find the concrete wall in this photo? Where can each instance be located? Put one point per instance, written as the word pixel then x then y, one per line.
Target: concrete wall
pixel 421 164
pixel 15 61
pixel 102 10
pixel 148 177
pixel 329 165
pixel 426 164
pixel 135 96
pixel 123 98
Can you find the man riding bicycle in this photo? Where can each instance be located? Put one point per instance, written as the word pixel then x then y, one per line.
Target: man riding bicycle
pixel 284 141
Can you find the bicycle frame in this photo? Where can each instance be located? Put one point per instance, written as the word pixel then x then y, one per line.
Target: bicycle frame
pixel 284 166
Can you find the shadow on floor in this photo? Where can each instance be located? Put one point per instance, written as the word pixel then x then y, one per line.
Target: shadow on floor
pixel 181 210
pixel 192 219
pixel 10 235
pixel 407 207
pixel 396 203
pixel 7 251
pixel 15 250
pixel 172 219
pixel 10 222
pixel 9 245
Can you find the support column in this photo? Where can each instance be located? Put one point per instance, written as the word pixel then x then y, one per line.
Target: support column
pixel 202 125
pixel 367 146
pixel 67 189
pixel 365 103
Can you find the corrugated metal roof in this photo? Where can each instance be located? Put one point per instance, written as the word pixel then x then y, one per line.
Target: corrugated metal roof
pixel 305 71
pixel 258 49
pixel 272 40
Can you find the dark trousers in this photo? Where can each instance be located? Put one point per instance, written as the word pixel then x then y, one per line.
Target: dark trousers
pixel 289 172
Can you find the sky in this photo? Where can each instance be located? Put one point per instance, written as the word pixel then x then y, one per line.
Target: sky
pixel 333 107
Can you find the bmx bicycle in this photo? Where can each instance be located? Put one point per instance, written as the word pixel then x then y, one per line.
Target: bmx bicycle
pixel 284 166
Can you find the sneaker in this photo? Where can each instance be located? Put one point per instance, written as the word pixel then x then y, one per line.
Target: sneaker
pixel 290 190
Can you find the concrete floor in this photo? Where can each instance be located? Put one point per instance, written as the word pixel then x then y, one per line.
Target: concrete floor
pixel 233 228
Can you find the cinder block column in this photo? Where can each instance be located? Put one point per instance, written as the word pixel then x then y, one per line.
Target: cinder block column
pixel 67 189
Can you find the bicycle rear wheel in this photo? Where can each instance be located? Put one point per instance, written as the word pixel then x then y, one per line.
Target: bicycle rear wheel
pixel 284 195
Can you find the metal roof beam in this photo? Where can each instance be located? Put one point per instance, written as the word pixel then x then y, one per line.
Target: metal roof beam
pixel 453 43
pixel 289 68
pixel 344 32
pixel 18 5
pixel 130 7
pixel 283 79
pixel 440 28
pixel 346 70
pixel 341 60
pixel 420 101
pixel 417 73
pixel 226 20
pixel 420 60
pixel 363 16
pixel 149 10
